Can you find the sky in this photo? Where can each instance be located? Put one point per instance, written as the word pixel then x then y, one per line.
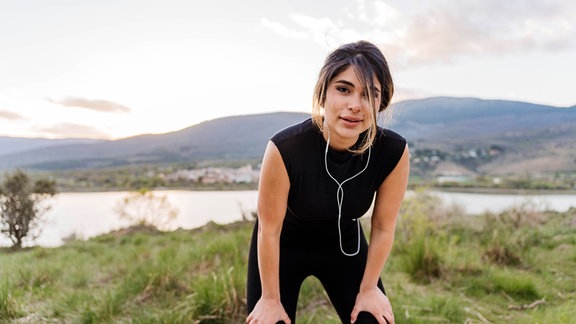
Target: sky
pixel 111 69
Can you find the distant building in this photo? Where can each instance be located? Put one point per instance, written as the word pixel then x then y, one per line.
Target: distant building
pixel 212 175
pixel 443 179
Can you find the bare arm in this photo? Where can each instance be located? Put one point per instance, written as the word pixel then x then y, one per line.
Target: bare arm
pixel 272 202
pixel 386 207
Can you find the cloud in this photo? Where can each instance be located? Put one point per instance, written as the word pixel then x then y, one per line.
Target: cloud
pixel 488 27
pixel 282 30
pixel 445 30
pixel 4 114
pixel 97 105
pixel 69 130
pixel 401 94
pixel 320 29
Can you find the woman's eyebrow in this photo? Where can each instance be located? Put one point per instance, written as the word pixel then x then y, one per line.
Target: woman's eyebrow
pixel 348 83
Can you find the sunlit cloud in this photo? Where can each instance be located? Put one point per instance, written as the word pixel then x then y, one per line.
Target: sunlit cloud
pixel 282 29
pixel 401 94
pixel 96 105
pixel 444 33
pixel 69 130
pixel 319 29
pixel 5 114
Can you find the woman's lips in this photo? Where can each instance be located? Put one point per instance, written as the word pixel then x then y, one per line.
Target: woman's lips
pixel 351 120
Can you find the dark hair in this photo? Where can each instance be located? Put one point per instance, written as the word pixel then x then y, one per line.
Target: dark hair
pixel 367 61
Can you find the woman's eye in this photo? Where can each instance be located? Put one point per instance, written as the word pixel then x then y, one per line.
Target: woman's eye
pixel 342 89
pixel 374 95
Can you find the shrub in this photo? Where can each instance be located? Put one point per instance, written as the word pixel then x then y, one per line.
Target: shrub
pixel 419 236
pixel 21 205
pixel 507 236
pixel 143 207
pixel 501 255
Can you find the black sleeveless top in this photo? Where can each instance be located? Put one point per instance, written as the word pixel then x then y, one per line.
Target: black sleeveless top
pixel 312 196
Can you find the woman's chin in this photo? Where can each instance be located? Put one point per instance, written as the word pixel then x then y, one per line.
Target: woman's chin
pixel 351 129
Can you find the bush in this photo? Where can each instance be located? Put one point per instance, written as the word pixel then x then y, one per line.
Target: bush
pixel 419 236
pixel 501 255
pixel 21 205
pixel 143 207
pixel 507 236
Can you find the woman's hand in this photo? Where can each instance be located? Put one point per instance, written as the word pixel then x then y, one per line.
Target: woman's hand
pixel 373 301
pixel 268 311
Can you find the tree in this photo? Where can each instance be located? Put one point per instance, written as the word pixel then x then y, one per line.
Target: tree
pixel 143 207
pixel 21 205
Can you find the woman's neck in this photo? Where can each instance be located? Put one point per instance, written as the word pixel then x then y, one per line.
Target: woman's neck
pixel 338 143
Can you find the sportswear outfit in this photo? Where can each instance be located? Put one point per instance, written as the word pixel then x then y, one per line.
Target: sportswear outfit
pixel 311 242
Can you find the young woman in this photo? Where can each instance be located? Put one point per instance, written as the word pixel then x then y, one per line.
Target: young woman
pixel 317 179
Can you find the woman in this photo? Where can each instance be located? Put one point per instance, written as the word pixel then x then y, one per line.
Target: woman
pixel 317 178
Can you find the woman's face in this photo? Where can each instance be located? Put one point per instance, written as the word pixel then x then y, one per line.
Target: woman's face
pixel 347 109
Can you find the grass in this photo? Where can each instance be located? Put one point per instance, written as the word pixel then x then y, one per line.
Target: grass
pixel 518 266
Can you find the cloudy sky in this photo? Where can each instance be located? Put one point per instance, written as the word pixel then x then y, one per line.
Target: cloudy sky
pixel 117 68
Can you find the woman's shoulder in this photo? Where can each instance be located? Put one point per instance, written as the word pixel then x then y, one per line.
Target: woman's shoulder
pixel 386 134
pixel 295 132
pixel 389 146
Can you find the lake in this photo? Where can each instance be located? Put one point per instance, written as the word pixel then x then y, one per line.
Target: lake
pixel 90 214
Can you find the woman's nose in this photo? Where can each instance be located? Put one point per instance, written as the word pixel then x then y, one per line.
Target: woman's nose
pixel 355 103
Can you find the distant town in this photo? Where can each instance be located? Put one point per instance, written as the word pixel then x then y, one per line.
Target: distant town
pixel 429 167
pixel 214 175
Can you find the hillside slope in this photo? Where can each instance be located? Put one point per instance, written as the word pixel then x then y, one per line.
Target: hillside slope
pixel 237 137
pixel 490 136
pixel 465 134
pixel 11 145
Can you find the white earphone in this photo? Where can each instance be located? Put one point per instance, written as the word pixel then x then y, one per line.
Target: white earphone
pixel 340 195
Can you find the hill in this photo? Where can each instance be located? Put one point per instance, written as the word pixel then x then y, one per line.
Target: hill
pixel 447 135
pixel 10 145
pixel 489 136
pixel 236 137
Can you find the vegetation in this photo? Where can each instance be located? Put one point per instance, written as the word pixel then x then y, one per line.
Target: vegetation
pixel 144 207
pixel 541 182
pixel 21 205
pixel 517 266
pixel 135 177
pixel 153 176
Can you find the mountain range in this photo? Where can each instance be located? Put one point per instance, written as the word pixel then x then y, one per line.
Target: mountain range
pixel 464 134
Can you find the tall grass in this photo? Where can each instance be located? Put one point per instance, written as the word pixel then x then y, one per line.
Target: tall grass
pixel 420 237
pixel 8 307
pixel 445 268
pixel 508 236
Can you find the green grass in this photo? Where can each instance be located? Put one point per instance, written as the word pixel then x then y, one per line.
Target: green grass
pixel 444 268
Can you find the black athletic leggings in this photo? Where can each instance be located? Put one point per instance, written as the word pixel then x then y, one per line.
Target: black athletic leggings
pixel 315 251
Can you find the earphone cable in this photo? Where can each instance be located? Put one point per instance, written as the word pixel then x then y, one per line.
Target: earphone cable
pixel 340 197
